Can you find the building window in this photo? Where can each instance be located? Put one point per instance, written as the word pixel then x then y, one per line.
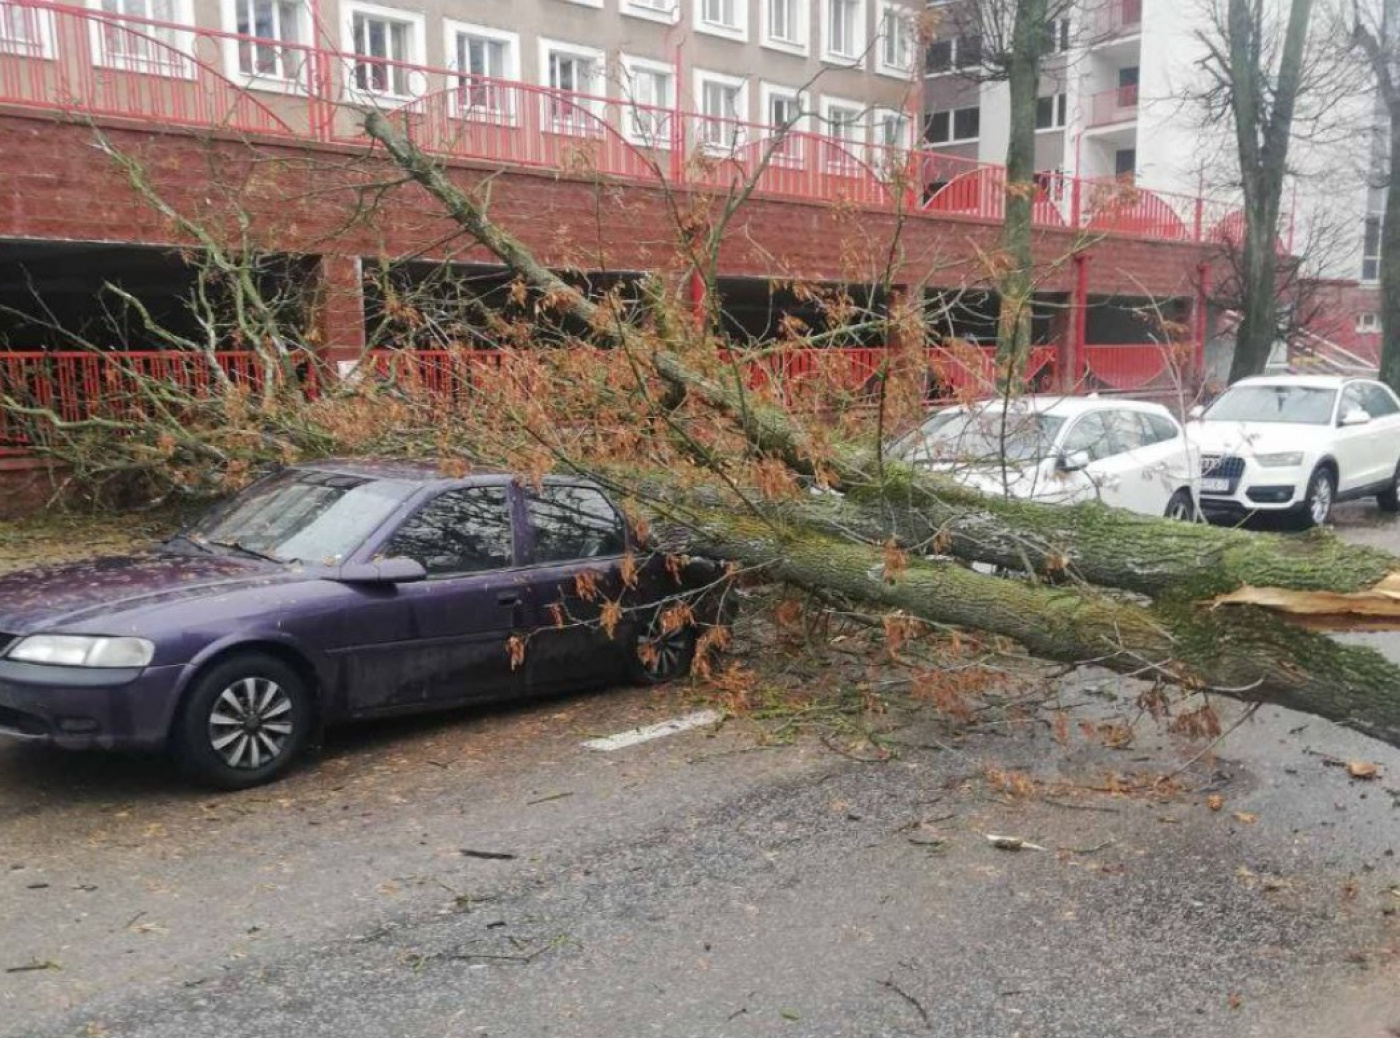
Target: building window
pixel 843 31
pixel 139 46
pixel 270 23
pixel 953 127
pixel 1057 36
pixel 723 102
pixel 892 130
pixel 656 10
pixel 784 113
pixel 26 32
pixel 1050 112
pixel 1371 248
pixel 843 127
pixel 896 40
pixel 1368 324
pixel 650 88
pixel 728 18
pixel 785 25
pixel 385 42
pixel 574 76
pixel 1125 162
pixel 950 55
pixel 486 61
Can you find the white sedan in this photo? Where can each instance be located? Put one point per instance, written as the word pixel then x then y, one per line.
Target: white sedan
pixel 1297 444
pixel 1063 450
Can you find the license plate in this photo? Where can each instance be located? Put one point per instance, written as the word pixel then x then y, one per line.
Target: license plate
pixel 1215 486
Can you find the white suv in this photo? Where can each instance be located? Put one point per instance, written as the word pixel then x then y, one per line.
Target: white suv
pixel 1298 444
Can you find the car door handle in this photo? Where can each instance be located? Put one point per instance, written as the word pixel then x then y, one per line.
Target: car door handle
pixel 508 598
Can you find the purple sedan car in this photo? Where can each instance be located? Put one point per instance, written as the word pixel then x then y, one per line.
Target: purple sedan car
pixel 331 592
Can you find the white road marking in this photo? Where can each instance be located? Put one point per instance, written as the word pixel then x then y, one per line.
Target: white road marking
pixel 634 736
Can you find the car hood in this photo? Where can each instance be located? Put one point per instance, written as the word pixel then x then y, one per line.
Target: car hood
pixel 67 595
pixel 1252 437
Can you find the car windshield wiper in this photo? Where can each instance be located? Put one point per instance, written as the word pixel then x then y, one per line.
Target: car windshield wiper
pixel 252 553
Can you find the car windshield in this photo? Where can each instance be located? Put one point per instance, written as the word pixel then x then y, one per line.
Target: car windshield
pixel 993 435
pixel 301 515
pixel 1303 405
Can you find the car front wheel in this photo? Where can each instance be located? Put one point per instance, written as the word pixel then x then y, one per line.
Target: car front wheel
pixel 243 723
pixel 1182 507
pixel 1389 498
pixel 660 656
pixel 1321 495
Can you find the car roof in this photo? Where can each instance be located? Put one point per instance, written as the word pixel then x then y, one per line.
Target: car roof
pixel 1308 381
pixel 409 470
pixel 1068 405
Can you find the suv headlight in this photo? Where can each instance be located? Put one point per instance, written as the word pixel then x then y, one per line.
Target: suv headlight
pixel 1288 459
pixel 80 650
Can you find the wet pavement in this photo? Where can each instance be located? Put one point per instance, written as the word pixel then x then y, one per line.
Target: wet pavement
pixel 486 874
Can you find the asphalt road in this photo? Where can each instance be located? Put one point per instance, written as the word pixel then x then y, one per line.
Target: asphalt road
pixel 710 884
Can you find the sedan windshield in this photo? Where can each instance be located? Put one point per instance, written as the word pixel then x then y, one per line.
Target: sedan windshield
pixel 1304 405
pixel 993 436
pixel 300 515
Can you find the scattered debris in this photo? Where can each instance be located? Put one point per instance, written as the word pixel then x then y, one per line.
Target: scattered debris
pixel 1215 801
pixel 1246 817
pixel 918 1006
pixel 487 855
pixel 547 799
pixel 1365 770
pixel 1012 843
pixel 35 966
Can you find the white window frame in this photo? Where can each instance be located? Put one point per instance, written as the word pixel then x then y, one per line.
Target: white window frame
pixel 417 80
pixel 904 16
pixel 790 154
pixel 571 120
pixel 1368 323
pixel 40 45
pixel 802 15
pixel 739 32
pixel 669 14
pixel 953 138
pixel 881 117
pixel 857 57
pixel 1059 110
pixel 581 3
pixel 660 137
pixel 741 84
pixel 848 158
pixel 504 113
pixel 263 80
pixel 172 59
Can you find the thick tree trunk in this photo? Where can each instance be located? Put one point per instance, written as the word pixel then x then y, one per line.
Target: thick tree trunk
pixel 1247 654
pixel 1390 243
pixel 1017 284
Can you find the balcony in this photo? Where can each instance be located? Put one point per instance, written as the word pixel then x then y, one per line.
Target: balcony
pixel 1116 18
pixel 1112 107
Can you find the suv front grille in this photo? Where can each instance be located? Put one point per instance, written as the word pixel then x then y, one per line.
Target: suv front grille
pixel 1222 466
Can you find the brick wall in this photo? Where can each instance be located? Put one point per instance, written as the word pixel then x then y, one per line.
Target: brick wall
pixel 1340 306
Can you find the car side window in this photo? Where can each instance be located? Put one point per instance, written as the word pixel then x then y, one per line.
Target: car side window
pixel 1378 400
pixel 1089 435
pixel 1125 432
pixel 1159 428
pixel 460 531
pixel 573 523
pixel 1351 401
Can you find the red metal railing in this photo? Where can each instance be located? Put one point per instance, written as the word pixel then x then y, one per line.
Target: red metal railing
pixel 62 57
pixel 1114 106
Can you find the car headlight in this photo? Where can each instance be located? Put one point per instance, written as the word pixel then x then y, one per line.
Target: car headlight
pixel 79 650
pixel 1288 459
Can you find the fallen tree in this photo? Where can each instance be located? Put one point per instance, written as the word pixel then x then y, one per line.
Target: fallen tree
pixel 1138 595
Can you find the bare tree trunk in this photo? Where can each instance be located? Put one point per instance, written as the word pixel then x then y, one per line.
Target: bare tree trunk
pixel 1017 284
pixel 1263 127
pixel 1390 230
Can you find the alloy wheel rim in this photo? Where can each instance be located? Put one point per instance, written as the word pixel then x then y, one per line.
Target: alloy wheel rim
pixel 1322 500
pixel 251 723
pixel 668 648
pixel 1179 510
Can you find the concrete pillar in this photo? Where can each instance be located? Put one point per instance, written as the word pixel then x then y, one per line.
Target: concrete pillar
pixel 339 319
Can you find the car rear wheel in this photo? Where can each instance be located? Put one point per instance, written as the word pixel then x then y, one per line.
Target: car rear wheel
pixel 1389 498
pixel 243 723
pixel 660 656
pixel 1321 495
pixel 1182 507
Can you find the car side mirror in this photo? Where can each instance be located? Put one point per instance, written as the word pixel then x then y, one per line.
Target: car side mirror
pixel 1356 416
pixel 1073 461
pixel 1197 412
pixel 385 571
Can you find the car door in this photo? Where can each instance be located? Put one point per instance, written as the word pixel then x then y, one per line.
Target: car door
pixel 1354 446
pixel 1383 443
pixel 576 545
pixel 460 619
pixel 1132 473
pixel 1167 458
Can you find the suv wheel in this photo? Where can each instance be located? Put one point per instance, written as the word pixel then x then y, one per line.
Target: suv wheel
pixel 1389 498
pixel 243 723
pixel 1321 495
pixel 1181 507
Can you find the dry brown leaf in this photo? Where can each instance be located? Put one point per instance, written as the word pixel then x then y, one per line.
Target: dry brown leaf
pixel 1360 769
pixel 1246 817
pixel 1012 843
pixel 1215 801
